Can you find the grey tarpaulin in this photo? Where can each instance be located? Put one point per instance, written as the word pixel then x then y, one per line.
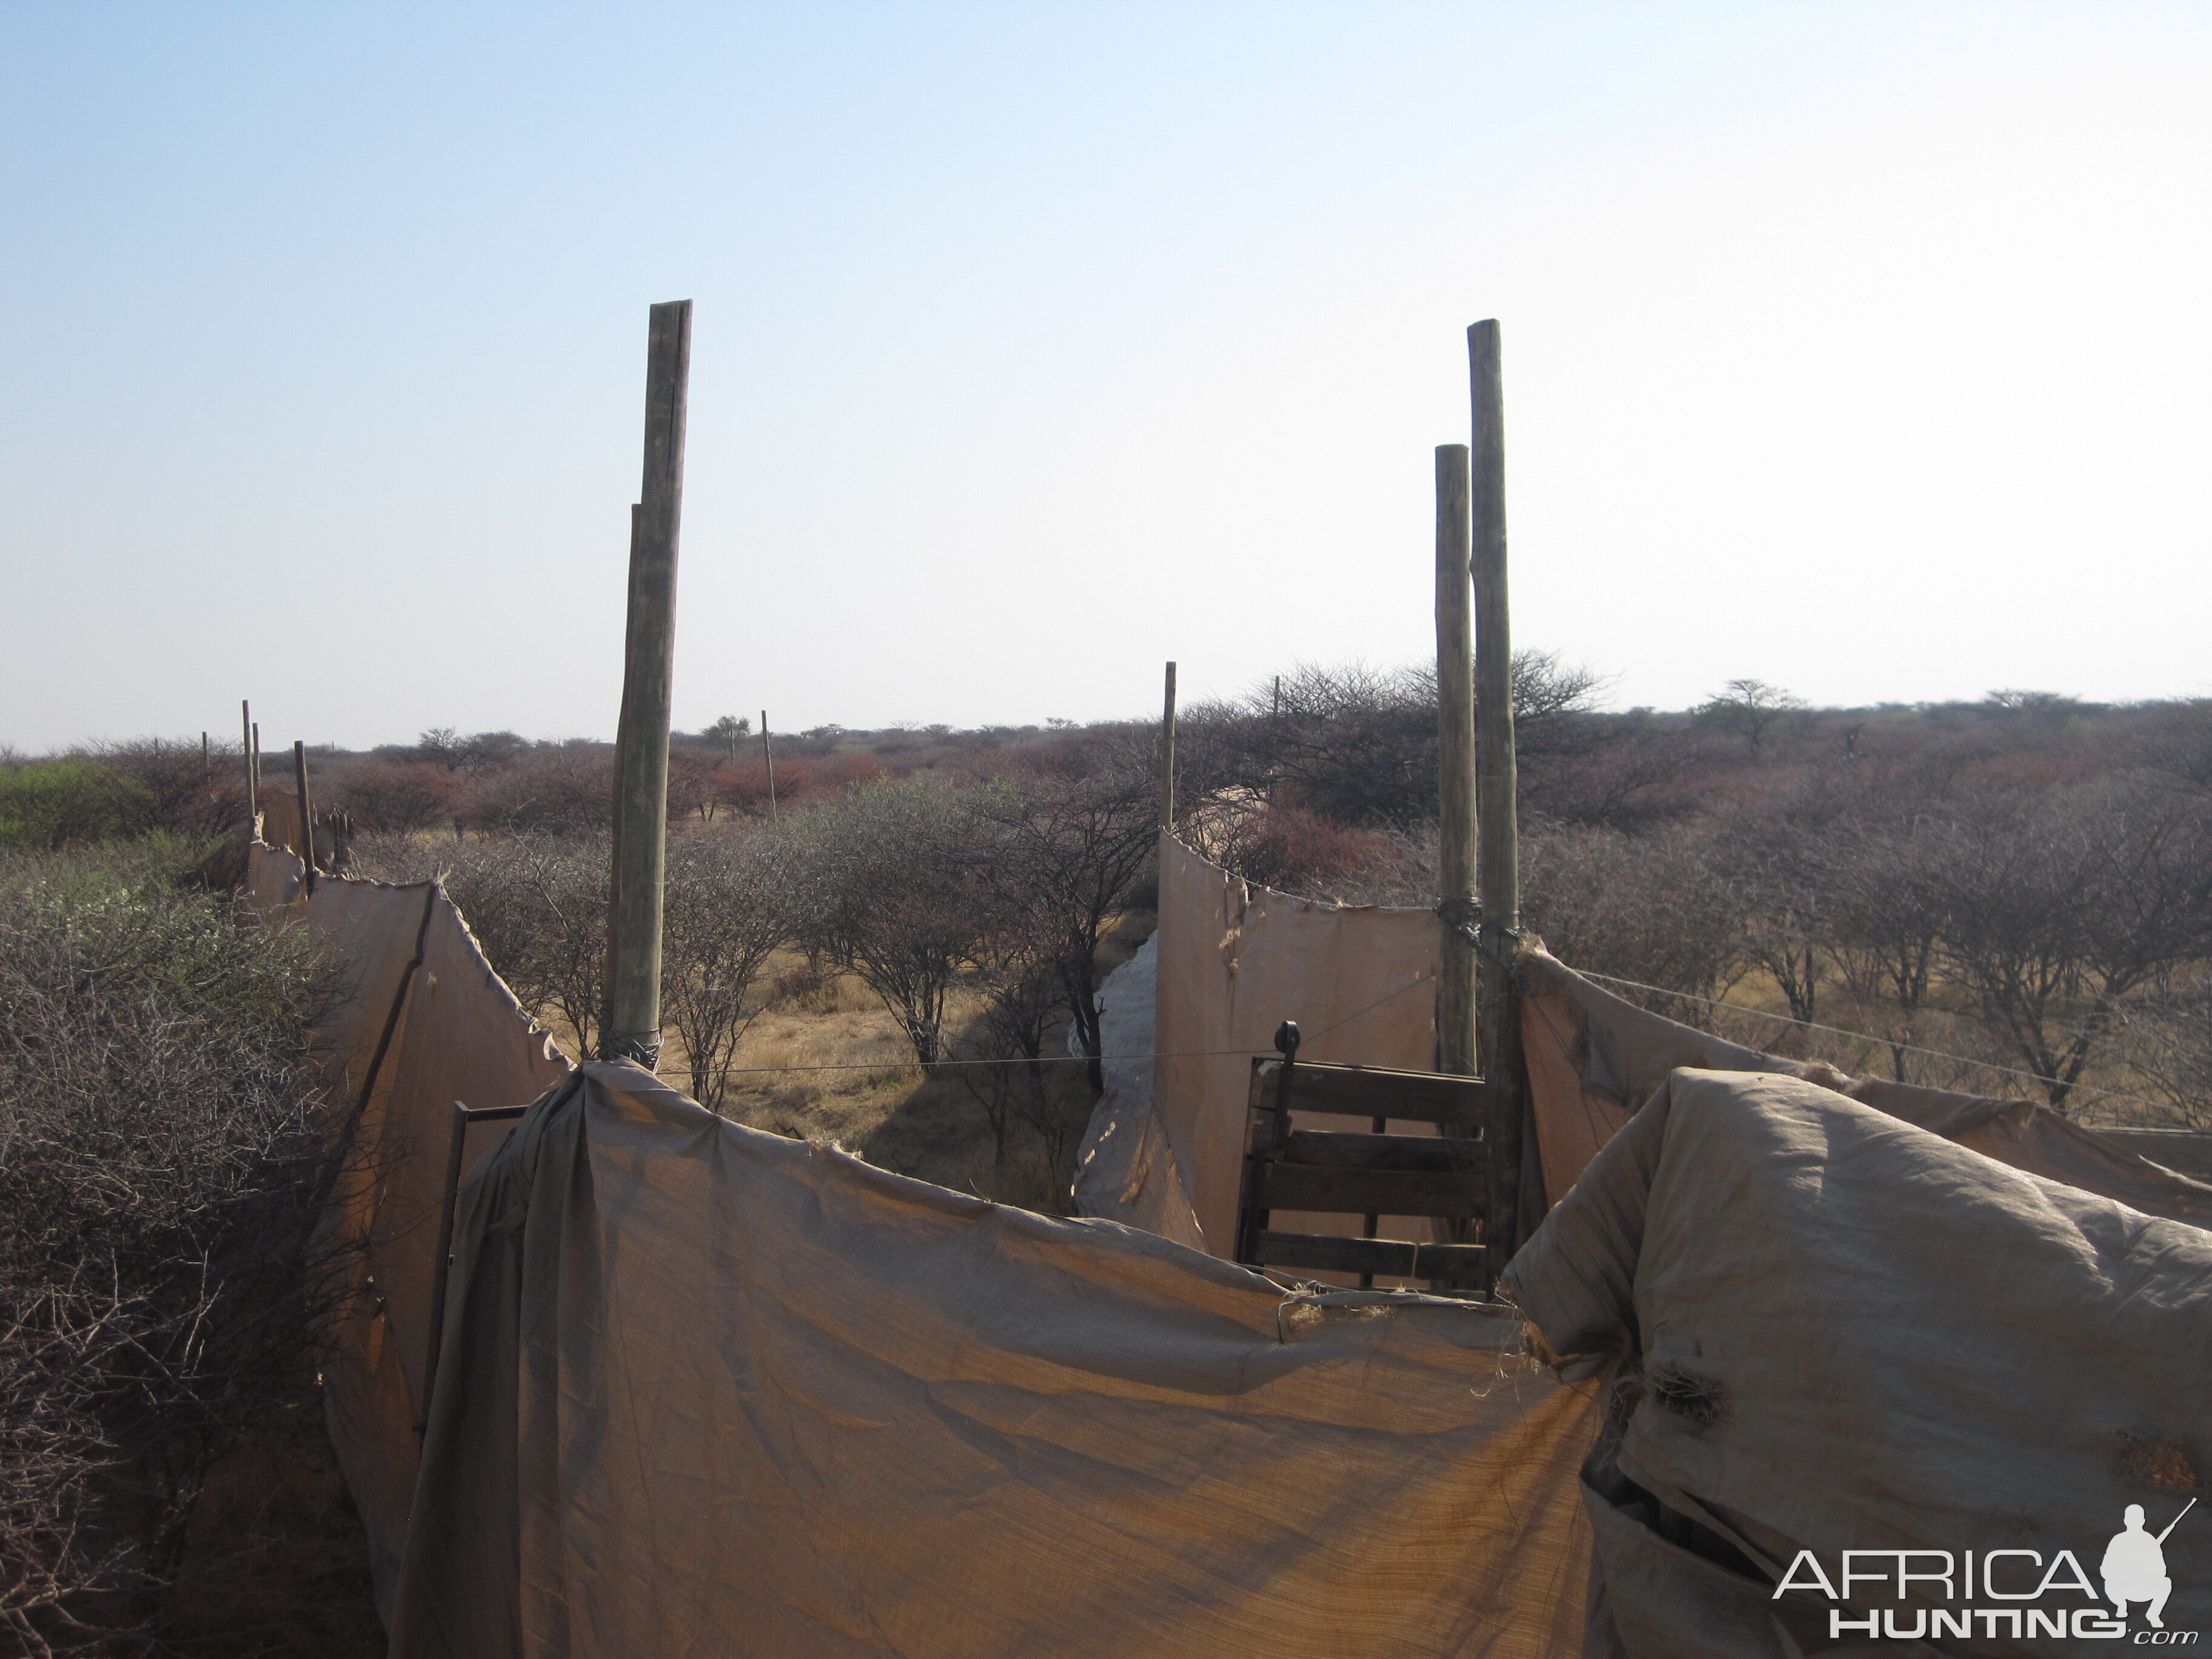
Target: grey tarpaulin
pixel 1828 1329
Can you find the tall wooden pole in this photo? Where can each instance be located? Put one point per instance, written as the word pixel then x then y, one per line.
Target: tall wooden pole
pixel 246 746
pixel 1167 752
pixel 306 849
pixel 1498 862
pixel 1456 860
pixel 767 754
pixel 615 833
pixel 632 1028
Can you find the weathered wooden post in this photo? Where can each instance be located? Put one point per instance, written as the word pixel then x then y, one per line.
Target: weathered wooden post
pixel 1498 857
pixel 768 755
pixel 1167 752
pixel 1456 860
pixel 632 1029
pixel 248 747
pixel 306 849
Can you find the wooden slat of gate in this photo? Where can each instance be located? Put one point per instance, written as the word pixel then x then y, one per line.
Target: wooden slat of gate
pixel 1370 1192
pixel 1430 1154
pixel 1375 1091
pixel 1384 1257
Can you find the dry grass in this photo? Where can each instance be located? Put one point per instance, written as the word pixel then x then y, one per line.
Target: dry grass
pixel 824 1062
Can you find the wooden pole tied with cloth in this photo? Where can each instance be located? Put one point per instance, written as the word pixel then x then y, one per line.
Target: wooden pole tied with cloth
pixel 632 1029
pixel 1498 857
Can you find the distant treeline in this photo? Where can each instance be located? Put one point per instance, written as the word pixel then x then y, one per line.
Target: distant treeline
pixel 2024 881
pixel 448 780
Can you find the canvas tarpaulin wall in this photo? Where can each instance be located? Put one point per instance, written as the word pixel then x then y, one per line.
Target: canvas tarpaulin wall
pixel 1235 962
pixel 425 1022
pixel 1840 1331
pixel 1902 1287
pixel 711 1391
pixel 1593 1060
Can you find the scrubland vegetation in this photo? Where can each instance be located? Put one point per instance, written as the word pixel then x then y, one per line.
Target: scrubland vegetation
pixel 163 1160
pixel 2024 882
pixel 2013 896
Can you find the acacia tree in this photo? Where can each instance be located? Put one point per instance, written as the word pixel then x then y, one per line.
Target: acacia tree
pixel 2057 910
pixel 727 731
pixel 1024 1006
pixel 1358 745
pixel 1659 909
pixel 1071 833
pixel 1884 908
pixel 398 795
pixel 2171 1053
pixel 728 909
pixel 199 792
pixel 889 878
pixel 1780 856
pixel 1749 709
pixel 1882 872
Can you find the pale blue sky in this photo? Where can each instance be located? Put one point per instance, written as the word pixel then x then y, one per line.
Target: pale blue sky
pixel 1862 348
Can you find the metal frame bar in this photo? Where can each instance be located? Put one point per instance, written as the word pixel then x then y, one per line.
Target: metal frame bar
pixel 456 1148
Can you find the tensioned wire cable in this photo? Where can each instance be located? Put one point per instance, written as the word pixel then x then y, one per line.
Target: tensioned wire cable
pixel 1606 978
pixel 1880 1042
pixel 1073 1060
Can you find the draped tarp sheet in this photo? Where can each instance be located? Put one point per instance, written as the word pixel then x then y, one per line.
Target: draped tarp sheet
pixel 1593 1060
pixel 1235 962
pixel 709 1391
pixel 1125 1170
pixel 1837 1330
pixel 424 1022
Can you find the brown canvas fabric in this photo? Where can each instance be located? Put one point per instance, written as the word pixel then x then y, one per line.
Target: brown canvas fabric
pixel 712 1391
pixel 1593 1060
pixel 705 1391
pixel 1125 1170
pixel 1834 1329
pixel 1235 962
pixel 411 1037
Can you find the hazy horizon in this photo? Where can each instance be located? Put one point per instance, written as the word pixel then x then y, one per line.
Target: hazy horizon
pixel 270 742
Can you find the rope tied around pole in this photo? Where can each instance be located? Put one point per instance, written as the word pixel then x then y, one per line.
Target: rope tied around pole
pixel 1473 935
pixel 643 1051
pixel 1462 914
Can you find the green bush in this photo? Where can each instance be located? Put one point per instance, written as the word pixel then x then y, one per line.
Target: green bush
pixel 48 804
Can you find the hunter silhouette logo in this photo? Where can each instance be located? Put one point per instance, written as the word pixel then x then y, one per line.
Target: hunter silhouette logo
pixel 2135 1565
